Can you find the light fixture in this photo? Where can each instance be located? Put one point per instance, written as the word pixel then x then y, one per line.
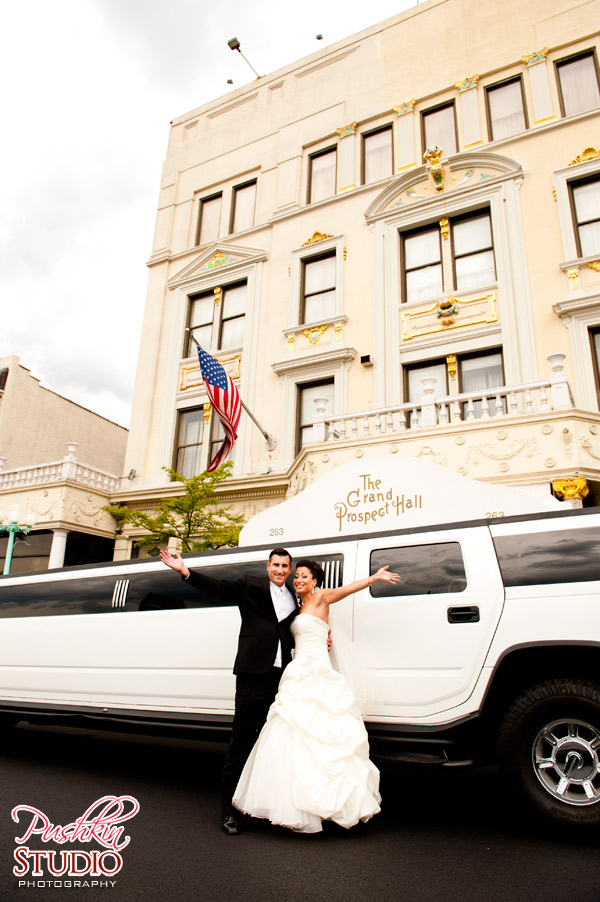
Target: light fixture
pixel 234 44
pixel 131 475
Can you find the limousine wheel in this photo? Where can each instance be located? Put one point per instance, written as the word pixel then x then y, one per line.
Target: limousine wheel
pixel 549 751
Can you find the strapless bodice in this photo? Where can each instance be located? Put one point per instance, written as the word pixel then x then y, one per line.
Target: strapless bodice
pixel 310 634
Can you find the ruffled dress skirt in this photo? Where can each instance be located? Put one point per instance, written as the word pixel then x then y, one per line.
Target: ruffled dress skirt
pixel 311 760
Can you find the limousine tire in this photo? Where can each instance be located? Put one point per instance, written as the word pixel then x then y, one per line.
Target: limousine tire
pixel 549 751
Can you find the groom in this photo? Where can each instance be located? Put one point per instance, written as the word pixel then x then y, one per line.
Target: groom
pixel 265 644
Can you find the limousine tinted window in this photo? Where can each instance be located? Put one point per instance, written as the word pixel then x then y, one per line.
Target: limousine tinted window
pixel 425 569
pixel 557 556
pixel 139 590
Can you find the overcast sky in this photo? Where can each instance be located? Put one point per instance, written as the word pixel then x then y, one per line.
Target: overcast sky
pixel 89 88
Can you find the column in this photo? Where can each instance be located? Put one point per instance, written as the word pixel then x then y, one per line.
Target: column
pixel 469 102
pixel 405 135
pixel 58 548
pixel 345 162
pixel 540 89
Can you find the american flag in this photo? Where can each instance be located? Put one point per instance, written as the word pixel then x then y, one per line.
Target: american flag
pixel 225 399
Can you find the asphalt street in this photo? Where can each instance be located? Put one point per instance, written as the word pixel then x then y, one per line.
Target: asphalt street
pixel 441 836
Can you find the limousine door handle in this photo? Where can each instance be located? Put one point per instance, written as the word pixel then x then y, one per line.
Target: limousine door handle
pixel 467 614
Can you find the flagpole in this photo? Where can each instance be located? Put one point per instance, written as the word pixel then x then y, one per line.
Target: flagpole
pixel 269 439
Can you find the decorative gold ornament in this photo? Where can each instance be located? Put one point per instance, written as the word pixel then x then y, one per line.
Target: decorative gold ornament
pixel 345 254
pixel 218 291
pixel 451 364
pixel 467 84
pixel 403 108
pixel 317 236
pixel 573 275
pixel 207 408
pixel 291 339
pixel 534 58
pixel 590 153
pixel 594 264
pixel 444 228
pixel 554 195
pixel 314 335
pixel 433 158
pixel 565 489
pixel 346 188
pixel 338 331
pixel 447 310
pixel 218 260
pixel 347 130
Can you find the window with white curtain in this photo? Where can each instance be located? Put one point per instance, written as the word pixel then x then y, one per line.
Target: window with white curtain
pixel 479 372
pixel 422 252
pixel 190 433
pixel 242 213
pixel 322 175
pixel 506 109
pixel 578 83
pixel 318 291
pixel 306 410
pixel 439 127
pixel 209 219
pixel 377 155
pixel 217 319
pixel 471 252
pixel 595 340
pixel 585 196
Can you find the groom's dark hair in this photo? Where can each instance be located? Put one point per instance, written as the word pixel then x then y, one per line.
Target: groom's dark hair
pixel 281 552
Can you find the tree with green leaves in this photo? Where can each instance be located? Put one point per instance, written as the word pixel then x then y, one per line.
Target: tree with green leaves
pixel 196 517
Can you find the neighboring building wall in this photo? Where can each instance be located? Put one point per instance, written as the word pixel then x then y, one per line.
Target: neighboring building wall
pixel 36 424
pixel 248 198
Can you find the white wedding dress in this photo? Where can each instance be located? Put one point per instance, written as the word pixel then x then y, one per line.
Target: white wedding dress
pixel 311 760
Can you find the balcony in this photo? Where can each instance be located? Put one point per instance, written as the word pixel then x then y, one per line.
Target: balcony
pixel 525 434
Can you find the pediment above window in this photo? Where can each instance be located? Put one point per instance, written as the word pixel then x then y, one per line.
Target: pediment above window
pixel 461 173
pixel 217 258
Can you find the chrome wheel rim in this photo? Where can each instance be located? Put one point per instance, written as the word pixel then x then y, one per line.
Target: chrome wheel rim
pixel 566 760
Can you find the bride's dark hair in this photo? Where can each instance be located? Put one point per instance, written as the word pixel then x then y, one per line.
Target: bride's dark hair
pixel 316 570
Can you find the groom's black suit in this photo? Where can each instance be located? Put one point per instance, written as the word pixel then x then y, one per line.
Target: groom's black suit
pixel 257 678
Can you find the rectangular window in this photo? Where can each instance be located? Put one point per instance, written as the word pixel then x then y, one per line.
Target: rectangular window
pixel 377 155
pixel 426 271
pixel 435 569
pixel 415 373
pixel 306 408
pixel 543 558
pixel 585 196
pixel 188 458
pixel 422 254
pixel 217 319
pixel 478 372
pixel 233 311
pixel 242 208
pixel 322 175
pixel 506 109
pixel 473 253
pixel 318 288
pixel 209 220
pixel 578 83
pixel 200 321
pixel 439 127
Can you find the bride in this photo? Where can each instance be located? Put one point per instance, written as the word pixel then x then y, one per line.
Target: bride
pixel 311 760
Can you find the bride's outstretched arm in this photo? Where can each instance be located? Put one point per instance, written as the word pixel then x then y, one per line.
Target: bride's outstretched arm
pixel 330 596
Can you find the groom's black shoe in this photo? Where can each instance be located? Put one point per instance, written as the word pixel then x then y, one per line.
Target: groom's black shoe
pixel 231 825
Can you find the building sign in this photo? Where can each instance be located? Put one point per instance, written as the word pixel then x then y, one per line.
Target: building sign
pixel 381 493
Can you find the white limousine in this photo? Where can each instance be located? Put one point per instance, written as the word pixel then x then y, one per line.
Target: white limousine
pixel 487 650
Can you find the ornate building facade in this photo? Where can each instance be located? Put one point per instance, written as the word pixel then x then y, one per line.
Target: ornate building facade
pixel 393 245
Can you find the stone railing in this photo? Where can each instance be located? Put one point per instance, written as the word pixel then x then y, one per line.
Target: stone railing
pixel 58 471
pixel 429 412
